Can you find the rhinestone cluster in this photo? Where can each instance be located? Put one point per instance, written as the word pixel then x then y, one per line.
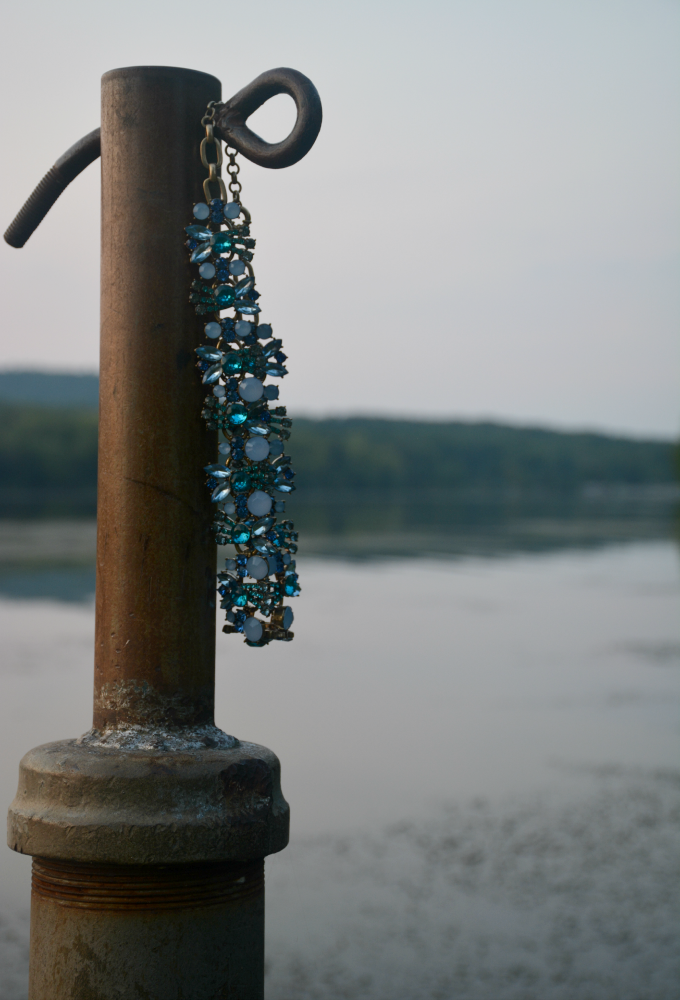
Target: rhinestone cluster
pixel 253 474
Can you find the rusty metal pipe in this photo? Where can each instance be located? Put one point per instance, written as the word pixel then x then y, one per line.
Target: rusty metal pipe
pixel 155 593
pixel 149 831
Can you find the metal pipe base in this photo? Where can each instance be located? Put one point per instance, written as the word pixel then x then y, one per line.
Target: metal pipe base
pixel 147 932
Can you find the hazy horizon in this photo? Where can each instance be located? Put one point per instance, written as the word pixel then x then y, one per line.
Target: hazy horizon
pixel 485 229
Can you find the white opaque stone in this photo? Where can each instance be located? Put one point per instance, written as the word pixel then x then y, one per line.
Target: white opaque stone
pixel 288 617
pixel 257 448
pixel 250 389
pixel 276 448
pixel 279 506
pixel 252 629
pixel 232 210
pixel 229 508
pixel 259 503
pixel 230 564
pixel 224 448
pixel 213 331
pixel 207 270
pixel 201 211
pixel 257 567
pixel 243 327
pixel 219 391
pixel 237 267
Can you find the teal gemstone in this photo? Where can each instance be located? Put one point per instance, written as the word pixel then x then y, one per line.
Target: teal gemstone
pixel 232 362
pixel 224 296
pixel 291 586
pixel 212 375
pixel 221 242
pixel 240 534
pixel 238 597
pixel 202 252
pixel 237 414
pixel 240 481
pixel 198 232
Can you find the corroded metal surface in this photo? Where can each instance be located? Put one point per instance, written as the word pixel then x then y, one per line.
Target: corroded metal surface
pixel 147 933
pixel 155 603
pixel 145 887
pixel 94 804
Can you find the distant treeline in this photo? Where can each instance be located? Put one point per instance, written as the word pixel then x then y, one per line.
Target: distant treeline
pixel 410 455
pixel 57 448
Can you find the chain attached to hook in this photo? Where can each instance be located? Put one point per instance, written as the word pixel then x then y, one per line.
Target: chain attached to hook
pixel 212 166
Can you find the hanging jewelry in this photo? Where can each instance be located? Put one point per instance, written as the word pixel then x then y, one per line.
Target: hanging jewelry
pixel 253 474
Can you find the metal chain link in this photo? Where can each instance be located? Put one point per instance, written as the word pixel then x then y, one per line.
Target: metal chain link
pixel 233 170
pixel 212 166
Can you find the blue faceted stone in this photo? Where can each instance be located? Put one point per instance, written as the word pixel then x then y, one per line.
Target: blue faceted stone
pixel 277 371
pixel 291 586
pixel 284 487
pixel 209 353
pixel 201 253
pixel 220 492
pixel 212 375
pixel 247 308
pixel 244 285
pixel 262 526
pixel 217 210
pixel 271 392
pixel 198 233
pixel 217 470
pixel 280 357
pixel 255 427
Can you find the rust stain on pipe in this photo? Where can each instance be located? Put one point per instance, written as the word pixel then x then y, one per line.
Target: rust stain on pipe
pixel 155 603
pixel 145 887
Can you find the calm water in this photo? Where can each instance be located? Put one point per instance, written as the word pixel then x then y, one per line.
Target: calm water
pixel 480 752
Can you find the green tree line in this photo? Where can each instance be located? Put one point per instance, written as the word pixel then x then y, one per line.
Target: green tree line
pixel 57 447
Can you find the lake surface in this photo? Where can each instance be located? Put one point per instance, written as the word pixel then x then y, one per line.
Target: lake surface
pixel 480 751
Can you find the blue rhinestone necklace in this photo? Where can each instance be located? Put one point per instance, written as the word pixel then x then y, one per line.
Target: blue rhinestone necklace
pixel 253 474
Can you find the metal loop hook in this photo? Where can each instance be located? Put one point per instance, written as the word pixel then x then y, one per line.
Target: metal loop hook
pixel 229 125
pixel 230 118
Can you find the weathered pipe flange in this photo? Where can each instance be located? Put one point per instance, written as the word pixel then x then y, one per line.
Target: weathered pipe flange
pixel 136 807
